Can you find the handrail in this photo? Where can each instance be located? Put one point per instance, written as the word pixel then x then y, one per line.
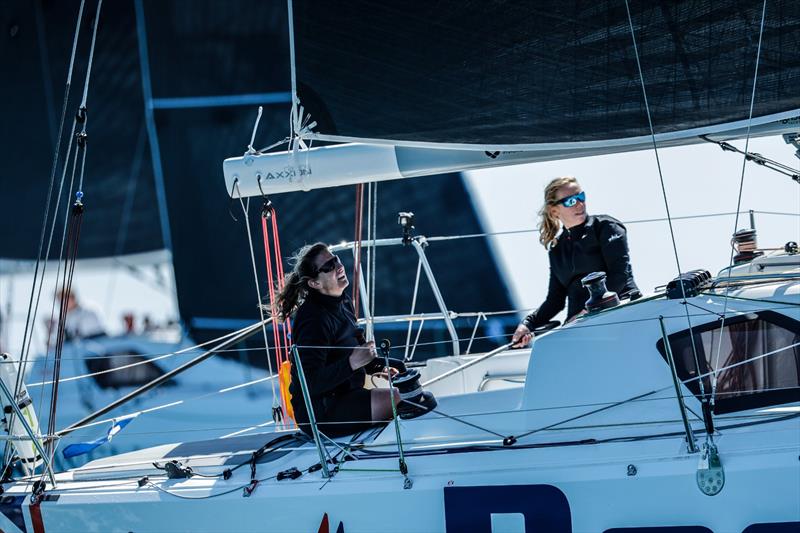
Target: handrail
pixel 418 243
pixel 468 364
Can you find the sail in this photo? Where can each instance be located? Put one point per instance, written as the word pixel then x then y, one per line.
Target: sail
pixel 524 74
pixel 209 70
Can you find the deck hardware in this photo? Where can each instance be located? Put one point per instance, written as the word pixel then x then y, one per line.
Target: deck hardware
pixel 144 481
pixel 289 473
pixel 510 440
pixel 599 296
pixel 175 470
pixel 313 468
pixel 710 474
pixel 632 470
pixel 406 221
pixel 38 487
pixel 227 474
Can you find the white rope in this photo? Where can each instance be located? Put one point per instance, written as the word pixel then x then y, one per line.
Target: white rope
pixel 250 149
pixel 176 403
pixel 373 270
pixel 245 210
pixel 739 198
pixel 137 363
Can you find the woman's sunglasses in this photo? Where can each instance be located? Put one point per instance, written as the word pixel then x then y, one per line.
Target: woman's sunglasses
pixel 570 201
pixel 329 265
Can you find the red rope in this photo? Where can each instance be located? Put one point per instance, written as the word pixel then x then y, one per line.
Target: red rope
pixel 281 348
pixel 287 329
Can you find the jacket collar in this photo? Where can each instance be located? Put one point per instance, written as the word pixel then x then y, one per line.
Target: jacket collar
pixel 578 230
pixel 328 302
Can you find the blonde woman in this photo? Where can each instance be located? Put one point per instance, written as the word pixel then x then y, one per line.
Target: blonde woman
pixel 577 244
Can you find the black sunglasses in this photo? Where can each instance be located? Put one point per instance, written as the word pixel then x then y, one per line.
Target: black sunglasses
pixel 329 266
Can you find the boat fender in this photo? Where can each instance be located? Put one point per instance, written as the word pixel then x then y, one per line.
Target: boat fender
pixel 291 473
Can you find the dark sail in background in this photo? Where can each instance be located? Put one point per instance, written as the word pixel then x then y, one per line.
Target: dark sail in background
pixel 203 112
pixel 502 72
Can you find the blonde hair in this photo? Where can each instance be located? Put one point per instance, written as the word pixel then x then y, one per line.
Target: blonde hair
pixel 548 224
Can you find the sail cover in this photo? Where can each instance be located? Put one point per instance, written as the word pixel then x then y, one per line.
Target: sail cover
pixel 499 73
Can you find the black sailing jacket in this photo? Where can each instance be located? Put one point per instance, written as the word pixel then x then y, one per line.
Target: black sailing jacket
pixel 324 329
pixel 598 245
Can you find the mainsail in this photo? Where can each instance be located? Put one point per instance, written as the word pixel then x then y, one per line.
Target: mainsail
pixel 426 88
pixel 504 74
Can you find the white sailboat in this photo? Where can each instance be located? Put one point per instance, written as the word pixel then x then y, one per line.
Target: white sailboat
pixel 677 412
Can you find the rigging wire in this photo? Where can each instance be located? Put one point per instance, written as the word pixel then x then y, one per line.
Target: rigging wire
pixel 53 169
pixel 739 200
pixel 245 210
pixel 759 159
pixel 666 202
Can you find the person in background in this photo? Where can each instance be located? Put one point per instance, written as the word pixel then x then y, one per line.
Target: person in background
pixel 325 332
pixel 82 322
pixel 577 244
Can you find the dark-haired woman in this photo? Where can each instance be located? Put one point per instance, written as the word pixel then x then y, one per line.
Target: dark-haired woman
pixel 324 330
pixel 585 244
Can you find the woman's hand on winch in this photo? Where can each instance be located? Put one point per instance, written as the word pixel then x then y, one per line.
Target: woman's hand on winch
pixel 522 336
pixel 385 373
pixel 362 355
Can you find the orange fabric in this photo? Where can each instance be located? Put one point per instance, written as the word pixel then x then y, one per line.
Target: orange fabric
pixel 284 379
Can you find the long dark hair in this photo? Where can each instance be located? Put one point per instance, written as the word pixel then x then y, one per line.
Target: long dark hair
pixel 295 285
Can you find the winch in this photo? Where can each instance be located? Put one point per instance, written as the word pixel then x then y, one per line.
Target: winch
pixel 414 401
pixel 599 296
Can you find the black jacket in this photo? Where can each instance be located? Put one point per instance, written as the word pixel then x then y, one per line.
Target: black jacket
pixel 324 329
pixel 598 245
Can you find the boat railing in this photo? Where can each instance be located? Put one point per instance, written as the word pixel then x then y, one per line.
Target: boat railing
pixel 419 243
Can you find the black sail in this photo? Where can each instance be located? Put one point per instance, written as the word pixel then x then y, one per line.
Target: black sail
pixel 522 73
pixel 208 63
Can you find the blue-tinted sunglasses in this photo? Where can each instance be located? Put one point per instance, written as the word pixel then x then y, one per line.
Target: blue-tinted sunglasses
pixel 570 201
